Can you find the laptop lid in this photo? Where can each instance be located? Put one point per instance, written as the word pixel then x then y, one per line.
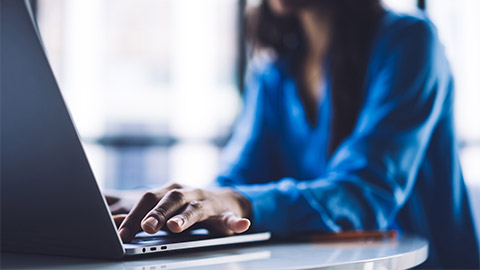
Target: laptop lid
pixel 50 201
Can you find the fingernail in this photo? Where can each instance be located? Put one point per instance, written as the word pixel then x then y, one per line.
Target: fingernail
pixel 151 222
pixel 179 221
pixel 124 233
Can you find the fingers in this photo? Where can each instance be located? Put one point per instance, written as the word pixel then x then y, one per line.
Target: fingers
pixel 168 206
pixel 131 224
pixel 199 211
pixel 179 209
pixel 235 224
pixel 196 211
pixel 229 223
pixel 118 219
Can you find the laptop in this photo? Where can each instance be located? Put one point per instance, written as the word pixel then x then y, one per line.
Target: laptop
pixel 50 200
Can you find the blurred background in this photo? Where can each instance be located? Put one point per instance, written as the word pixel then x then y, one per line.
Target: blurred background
pixel 154 85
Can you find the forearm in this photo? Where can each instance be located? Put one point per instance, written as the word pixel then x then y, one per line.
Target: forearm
pixel 291 207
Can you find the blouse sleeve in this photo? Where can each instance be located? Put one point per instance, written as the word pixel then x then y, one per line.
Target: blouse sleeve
pixel 372 173
pixel 247 157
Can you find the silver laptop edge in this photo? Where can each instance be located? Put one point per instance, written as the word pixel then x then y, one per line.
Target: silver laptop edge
pixel 135 249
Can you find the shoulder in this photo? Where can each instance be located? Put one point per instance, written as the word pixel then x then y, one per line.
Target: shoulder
pixel 408 60
pixel 404 30
pixel 416 21
pixel 406 40
pixel 392 19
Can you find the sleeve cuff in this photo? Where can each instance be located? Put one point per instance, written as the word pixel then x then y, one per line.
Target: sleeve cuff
pixel 270 203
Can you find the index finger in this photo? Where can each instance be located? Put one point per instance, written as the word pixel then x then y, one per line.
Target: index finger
pixel 131 224
pixel 171 203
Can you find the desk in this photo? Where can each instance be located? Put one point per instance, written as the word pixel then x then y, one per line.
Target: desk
pixel 403 252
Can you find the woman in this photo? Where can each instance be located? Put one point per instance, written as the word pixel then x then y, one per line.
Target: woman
pixel 347 125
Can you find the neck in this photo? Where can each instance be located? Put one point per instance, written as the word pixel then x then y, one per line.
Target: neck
pixel 317 28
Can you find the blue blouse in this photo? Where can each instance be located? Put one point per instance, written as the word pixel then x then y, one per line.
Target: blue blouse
pixel 398 169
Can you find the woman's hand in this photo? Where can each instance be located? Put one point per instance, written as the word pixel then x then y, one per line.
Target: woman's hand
pixel 178 207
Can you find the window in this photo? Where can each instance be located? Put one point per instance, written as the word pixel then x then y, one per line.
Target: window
pixel 458 25
pixel 150 84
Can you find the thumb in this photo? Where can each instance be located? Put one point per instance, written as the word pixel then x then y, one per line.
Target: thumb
pixel 234 223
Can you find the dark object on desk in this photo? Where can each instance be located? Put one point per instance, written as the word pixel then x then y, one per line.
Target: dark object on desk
pixel 50 201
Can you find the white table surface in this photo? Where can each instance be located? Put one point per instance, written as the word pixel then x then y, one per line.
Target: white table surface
pixel 400 253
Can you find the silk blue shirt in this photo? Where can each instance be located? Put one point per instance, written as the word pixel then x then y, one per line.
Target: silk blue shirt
pixel 398 169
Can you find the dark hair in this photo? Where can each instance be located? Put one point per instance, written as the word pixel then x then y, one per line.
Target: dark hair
pixel 354 26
